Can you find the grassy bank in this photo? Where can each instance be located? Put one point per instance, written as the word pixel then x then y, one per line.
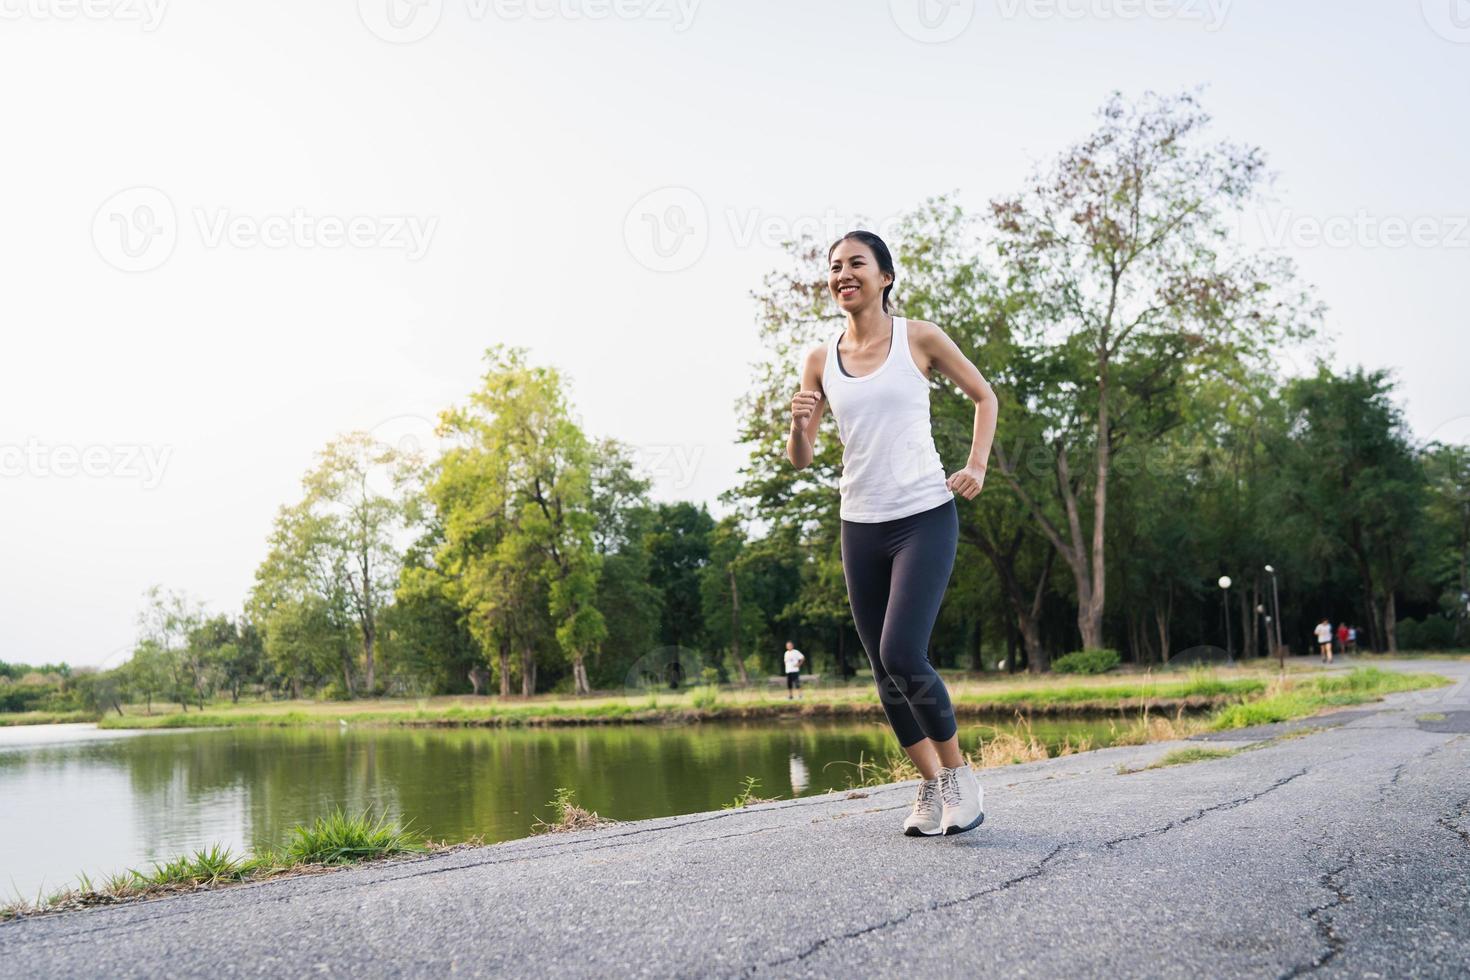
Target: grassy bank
pixel 1280 699
pixel 8 718
pixel 1196 691
pixel 330 841
pixel 1304 697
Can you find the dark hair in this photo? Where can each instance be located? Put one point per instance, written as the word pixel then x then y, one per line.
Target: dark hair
pixel 880 252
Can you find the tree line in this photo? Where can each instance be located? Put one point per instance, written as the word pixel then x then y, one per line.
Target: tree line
pixel 1150 441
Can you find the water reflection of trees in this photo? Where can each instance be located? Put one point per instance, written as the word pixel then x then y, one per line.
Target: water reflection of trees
pixel 193 787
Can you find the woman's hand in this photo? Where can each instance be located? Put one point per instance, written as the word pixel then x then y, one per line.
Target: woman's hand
pixel 802 407
pixel 967 482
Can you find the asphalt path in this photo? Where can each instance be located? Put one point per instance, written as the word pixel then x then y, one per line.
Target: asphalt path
pixel 1341 850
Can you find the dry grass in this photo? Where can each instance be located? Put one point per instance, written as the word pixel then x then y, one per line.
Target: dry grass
pixel 1022 745
pixel 1152 727
pixel 569 817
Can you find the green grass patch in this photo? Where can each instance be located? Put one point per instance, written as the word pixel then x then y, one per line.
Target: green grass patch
pixel 1304 697
pixel 1433 716
pixel 335 839
pixel 1203 686
pixel 1182 757
pixel 747 795
pixel 341 839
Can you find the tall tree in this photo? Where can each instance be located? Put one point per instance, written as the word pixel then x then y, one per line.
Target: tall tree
pixel 359 518
pixel 1447 470
pixel 1358 482
pixel 516 499
pixel 1133 291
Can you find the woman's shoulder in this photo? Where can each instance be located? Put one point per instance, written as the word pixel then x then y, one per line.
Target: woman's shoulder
pixel 815 359
pixel 920 329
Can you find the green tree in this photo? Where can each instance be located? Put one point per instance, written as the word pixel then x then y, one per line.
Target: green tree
pixel 165 625
pixel 357 518
pixel 1133 291
pixel 515 497
pixel 1447 471
pixel 1358 491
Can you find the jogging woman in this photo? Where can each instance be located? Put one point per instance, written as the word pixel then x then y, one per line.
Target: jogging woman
pixel 900 524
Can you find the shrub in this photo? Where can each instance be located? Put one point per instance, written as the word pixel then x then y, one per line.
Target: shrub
pixel 1430 633
pixel 707 696
pixel 1087 662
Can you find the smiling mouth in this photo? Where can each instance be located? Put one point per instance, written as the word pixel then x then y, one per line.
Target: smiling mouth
pixel 846 290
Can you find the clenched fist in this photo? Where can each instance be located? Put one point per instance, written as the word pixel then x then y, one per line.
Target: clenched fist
pixel 803 405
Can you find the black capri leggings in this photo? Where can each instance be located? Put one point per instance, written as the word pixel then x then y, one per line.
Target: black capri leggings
pixel 896 574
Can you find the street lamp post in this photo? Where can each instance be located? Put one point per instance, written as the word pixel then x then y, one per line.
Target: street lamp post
pixel 1276 601
pixel 1225 598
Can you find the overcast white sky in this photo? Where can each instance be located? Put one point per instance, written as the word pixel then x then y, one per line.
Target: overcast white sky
pixel 232 231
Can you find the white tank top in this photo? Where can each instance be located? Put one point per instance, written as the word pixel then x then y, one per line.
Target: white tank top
pixel 890 468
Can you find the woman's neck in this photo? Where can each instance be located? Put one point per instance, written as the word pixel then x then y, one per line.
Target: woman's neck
pixel 869 326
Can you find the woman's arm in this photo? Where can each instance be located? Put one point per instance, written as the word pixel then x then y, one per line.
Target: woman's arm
pixel 806 410
pixel 944 356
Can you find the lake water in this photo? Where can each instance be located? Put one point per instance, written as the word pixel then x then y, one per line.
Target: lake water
pixel 74 798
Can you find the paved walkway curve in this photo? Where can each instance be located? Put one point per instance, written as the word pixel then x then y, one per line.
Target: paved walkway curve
pixel 1343 852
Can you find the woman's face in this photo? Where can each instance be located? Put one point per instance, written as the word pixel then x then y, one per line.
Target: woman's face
pixel 853 276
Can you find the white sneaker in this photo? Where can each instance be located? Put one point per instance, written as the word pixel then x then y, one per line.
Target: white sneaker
pixel 924 820
pixel 963 799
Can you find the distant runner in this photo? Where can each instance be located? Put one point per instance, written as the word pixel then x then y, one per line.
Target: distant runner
pixel 1324 641
pixel 794 658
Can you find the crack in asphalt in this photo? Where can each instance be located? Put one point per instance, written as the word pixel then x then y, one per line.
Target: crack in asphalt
pixel 1325 927
pixel 1462 812
pixel 1198 814
pixel 1036 871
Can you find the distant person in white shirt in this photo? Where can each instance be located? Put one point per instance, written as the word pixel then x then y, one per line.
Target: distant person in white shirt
pixel 1324 640
pixel 794 659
